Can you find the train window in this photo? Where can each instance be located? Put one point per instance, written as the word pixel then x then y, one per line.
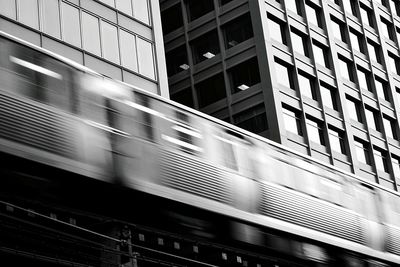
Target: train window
pixel 367 202
pixel 36 75
pixel 331 191
pixel 144 119
pixel 229 157
pixel 307 182
pixel 235 153
pixel 93 105
pixel 186 136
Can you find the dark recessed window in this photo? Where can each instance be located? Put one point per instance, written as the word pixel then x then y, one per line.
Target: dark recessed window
pixel 237 31
pixel 177 60
pixel 196 8
pixel 210 90
pixel 171 18
pixel 205 47
pixel 184 97
pixel 253 119
pixel 244 75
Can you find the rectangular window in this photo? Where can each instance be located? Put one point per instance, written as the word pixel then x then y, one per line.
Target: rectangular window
pixel 353 110
pixel 315 131
pixel 313 15
pixel 336 140
pixel 283 75
pixel 293 5
pixel 276 30
pixel 380 160
pixel 71 24
pixel 381 89
pixel 306 86
pixel 337 28
pixel 145 58
pixel 328 98
pixel 205 47
pixel 371 119
pixel 210 90
pixel 394 6
pixel 386 29
pixel 244 75
pixel 177 60
pixel 298 43
pixel 345 69
pixel 110 42
pixel 8 8
pixel 91 33
pixel 396 166
pixel 253 120
pixel 141 10
pixel 362 152
pixel 373 51
pixel 291 120
pixel 29 13
pixel 196 9
pixel 51 18
pixel 320 55
pixel 392 63
pixel 366 15
pixel 355 41
pixel 128 50
pixel 348 7
pixel 240 30
pixel 363 79
pixel 388 125
pixel 124 6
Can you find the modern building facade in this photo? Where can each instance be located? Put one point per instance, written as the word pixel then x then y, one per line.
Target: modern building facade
pixel 121 39
pixel 319 76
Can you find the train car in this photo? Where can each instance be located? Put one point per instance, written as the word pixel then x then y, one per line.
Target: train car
pixel 59 113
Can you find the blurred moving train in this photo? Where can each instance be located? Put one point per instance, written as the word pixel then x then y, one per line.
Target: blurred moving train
pixel 60 113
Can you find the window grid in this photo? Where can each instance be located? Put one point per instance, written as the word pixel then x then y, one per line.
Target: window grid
pixel 83 29
pixel 291 74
